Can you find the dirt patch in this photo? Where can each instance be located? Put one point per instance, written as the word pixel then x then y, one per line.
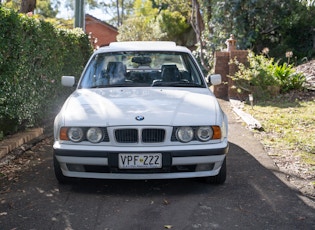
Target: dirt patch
pixel 307 95
pixel 22 158
pixel 298 173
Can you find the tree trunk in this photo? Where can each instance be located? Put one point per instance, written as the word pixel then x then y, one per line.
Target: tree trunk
pixel 118 13
pixel 122 12
pixel 28 6
pixel 198 26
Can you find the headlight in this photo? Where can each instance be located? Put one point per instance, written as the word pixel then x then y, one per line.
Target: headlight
pixel 75 134
pixel 94 135
pixel 185 134
pixel 204 133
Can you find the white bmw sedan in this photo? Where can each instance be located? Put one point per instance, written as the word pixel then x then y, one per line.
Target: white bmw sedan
pixel 141 110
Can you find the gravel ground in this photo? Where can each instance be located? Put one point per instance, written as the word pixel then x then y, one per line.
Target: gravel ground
pixel 308 69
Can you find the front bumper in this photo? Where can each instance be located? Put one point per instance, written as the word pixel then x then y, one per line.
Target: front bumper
pixel 102 163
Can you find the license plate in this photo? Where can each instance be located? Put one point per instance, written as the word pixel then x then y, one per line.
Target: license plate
pixel 139 160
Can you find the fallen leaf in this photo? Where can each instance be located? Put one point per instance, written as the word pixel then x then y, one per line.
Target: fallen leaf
pixel 165 202
pixel 301 218
pixel 168 226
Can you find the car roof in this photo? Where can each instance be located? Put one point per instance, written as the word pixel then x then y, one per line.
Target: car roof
pixel 143 46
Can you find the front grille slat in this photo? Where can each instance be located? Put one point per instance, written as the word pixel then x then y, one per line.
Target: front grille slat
pixel 153 135
pixel 148 135
pixel 126 135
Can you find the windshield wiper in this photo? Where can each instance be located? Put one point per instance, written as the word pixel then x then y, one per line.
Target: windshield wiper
pixel 98 86
pixel 125 84
pixel 110 86
pixel 176 84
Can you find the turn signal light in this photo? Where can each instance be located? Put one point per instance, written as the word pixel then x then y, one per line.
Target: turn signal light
pixel 216 132
pixel 64 134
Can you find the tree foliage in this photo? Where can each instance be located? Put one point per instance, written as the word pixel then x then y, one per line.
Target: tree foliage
pixel 45 8
pixel 142 25
pixel 157 20
pixel 280 25
pixel 307 2
pixel 119 9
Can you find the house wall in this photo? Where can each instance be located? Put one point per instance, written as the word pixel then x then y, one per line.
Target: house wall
pixel 100 32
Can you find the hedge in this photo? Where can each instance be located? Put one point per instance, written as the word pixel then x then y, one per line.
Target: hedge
pixel 33 57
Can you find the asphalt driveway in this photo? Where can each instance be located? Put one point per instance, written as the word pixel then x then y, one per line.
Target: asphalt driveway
pixel 253 197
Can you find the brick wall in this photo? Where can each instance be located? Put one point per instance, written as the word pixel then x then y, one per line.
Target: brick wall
pixel 222 66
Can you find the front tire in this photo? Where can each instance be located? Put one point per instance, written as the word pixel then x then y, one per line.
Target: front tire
pixel 58 173
pixel 220 178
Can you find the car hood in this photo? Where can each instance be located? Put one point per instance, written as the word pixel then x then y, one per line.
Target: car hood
pixel 155 106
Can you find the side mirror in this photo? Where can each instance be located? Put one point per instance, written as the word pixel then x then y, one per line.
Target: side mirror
pixel 68 81
pixel 214 79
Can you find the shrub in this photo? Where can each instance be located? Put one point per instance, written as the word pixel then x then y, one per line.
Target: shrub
pixel 264 77
pixel 33 57
pixel 289 79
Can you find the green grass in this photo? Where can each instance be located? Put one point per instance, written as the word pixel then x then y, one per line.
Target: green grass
pixel 289 125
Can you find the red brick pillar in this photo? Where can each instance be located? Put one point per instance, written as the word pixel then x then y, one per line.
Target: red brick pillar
pixel 221 66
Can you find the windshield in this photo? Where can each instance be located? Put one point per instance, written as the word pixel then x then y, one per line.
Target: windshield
pixel 136 69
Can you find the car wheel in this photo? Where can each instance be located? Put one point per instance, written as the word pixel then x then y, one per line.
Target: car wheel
pixel 221 177
pixel 58 173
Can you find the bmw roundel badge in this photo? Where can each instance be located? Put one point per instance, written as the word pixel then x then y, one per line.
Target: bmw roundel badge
pixel 139 118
